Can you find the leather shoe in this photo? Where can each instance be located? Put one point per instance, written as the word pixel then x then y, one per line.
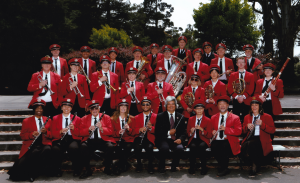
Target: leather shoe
pixel 150 169
pixel 139 168
pixel 76 173
pixel 173 169
pixel 59 173
pixel 192 171
pixel 86 174
pixel 223 172
pixel 161 170
pixel 107 171
pixel 30 179
pixel 204 171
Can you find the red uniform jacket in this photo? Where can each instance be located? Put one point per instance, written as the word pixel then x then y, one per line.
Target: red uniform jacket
pixel 82 86
pixel 188 53
pixel 64 69
pixel 56 126
pixel 106 135
pixel 158 57
pixel 139 123
pixel 152 93
pixel 92 66
pixel 119 70
pixel 249 79
pixel 228 64
pixel 128 136
pixel 274 95
pixel 267 127
pixel 207 129
pixel 199 94
pixel 139 93
pixel 99 91
pixel 203 72
pixel 258 73
pixel 233 130
pixel 28 127
pixel 220 90
pixel 147 72
pixel 34 86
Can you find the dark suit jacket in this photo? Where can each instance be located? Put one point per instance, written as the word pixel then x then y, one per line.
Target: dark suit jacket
pixel 208 60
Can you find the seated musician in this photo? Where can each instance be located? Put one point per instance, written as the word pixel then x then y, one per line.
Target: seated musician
pixel 199 133
pixel 182 52
pixel 159 90
pixel 208 55
pixel 133 88
pixel 101 139
pixel 252 62
pixel 236 83
pixel 60 65
pixel 166 61
pixel 195 89
pixel 226 128
pixel 213 89
pixel 123 132
pixel 170 131
pixel 115 66
pixel 145 128
pixel 258 126
pixel 75 87
pixel 65 133
pixel 32 162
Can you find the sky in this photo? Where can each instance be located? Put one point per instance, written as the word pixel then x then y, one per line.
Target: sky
pixel 183 13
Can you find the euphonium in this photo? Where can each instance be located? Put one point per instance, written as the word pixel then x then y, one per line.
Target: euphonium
pixel 144 62
pixel 239 86
pixel 209 92
pixel 189 99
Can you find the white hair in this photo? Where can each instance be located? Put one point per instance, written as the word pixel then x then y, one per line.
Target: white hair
pixel 169 99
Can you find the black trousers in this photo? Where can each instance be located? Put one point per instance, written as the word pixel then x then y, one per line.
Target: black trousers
pixel 133 109
pixel 221 151
pixel 147 145
pixel 268 108
pixel 160 109
pixel 50 110
pixel 252 150
pixel 197 149
pixel 87 150
pixel 106 107
pixel 240 109
pixel 76 108
pixel 164 148
pixel 123 151
pixel 224 81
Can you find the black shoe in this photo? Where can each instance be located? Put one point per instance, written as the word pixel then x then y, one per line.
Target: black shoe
pixel 116 170
pixel 59 173
pixel 139 168
pixel 173 169
pixel 192 171
pixel 204 171
pixel 223 172
pixel 107 171
pixel 76 173
pixel 86 174
pixel 162 170
pixel 31 179
pixel 150 169
pixel 252 173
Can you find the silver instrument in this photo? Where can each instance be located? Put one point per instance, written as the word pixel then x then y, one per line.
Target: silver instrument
pixel 75 89
pixel 75 114
pixel 46 87
pixel 161 96
pixel 213 138
pixel 39 133
pixel 133 96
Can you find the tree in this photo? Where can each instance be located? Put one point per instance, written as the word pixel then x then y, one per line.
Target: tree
pixel 228 21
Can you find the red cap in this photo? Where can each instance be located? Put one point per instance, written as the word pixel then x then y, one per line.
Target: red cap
pixel 67 101
pixel 154 45
pixel 85 49
pixel 220 45
pixel 160 69
pixel 131 69
pixel 224 98
pixel 214 67
pixel 206 44
pixel 137 48
pixel 104 58
pixel 198 50
pixel 35 102
pixel 54 47
pixel 269 66
pixel 199 103
pixel 182 38
pixel 167 47
pixel 256 100
pixel 195 74
pixel 248 47
pixel 92 103
pixel 123 102
pixel 74 61
pixel 113 49
pixel 146 98
pixel 46 60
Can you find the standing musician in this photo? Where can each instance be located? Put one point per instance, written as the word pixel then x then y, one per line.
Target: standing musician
pixel 159 90
pixel 182 52
pixel 197 66
pixel 59 65
pixel 115 66
pixel 147 70
pixel 199 133
pixel 225 64
pixel 209 55
pixel 104 85
pixel 169 134
pixel 123 132
pixel 242 77
pixel 66 125
pixel 195 89
pixel 75 87
pixel 44 85
pixel 226 128
pixel 166 61
pixel 101 139
pixel 33 162
pixel 133 88
pixel 154 56
pixel 252 62
pixel 218 90
pixel 258 126
pixel 88 65
pixel 145 128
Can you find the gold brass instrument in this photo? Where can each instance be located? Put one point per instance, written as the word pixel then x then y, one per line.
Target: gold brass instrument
pixel 161 96
pixel 209 91
pixel 46 87
pixel 107 85
pixel 75 89
pixel 133 96
pixel 189 99
pixel 144 62
pixel 82 71
pixel 239 86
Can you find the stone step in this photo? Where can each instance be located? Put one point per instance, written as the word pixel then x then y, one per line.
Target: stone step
pixel 10 145
pixel 291 109
pixel 12 119
pixel 289 141
pixel 286 116
pixel 10 127
pixel 9 155
pixel 9 136
pixel 16 112
pixel 290 124
pixel 281 132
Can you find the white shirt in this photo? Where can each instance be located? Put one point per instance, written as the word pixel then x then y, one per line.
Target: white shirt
pixel 208 55
pixel 47 96
pixel 58 64
pixel 249 61
pixel 134 63
pixel 166 64
pixel 162 84
pixel 38 123
pixel 113 66
pixel 145 117
pixel 107 95
pixel 93 124
pixel 198 65
pixel 134 91
pixel 73 78
pixel 169 114
pixel 64 121
pixel 182 51
pixel 87 65
pixel 196 122
pixel 223 77
pixel 257 127
pixel 121 121
pixel 225 118
pixel 195 88
pixel 269 96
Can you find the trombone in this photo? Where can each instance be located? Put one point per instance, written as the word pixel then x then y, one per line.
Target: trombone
pixel 76 89
pixel 87 78
pixel 108 86
pixel 40 78
pixel 161 96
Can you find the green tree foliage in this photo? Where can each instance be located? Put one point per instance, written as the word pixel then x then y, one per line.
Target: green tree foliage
pixel 109 37
pixel 227 21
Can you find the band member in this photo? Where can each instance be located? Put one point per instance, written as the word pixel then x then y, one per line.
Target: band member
pixel 213 89
pixel 133 88
pixel 252 62
pixel 145 128
pixel 154 56
pixel 197 66
pixel 75 87
pixel 88 65
pixel 197 91
pixel 65 134
pixel 159 90
pixel 124 134
pixel 36 135
pixel 101 139
pixel 169 134
pixel 199 133
pixel 226 127
pixel 45 86
pixel 60 65
pixel 104 85
pixel 182 52
pixel 115 66
pixel 237 80
pixel 167 61
pixel 147 71
pixel 208 55
pixel 258 126
pixel 225 64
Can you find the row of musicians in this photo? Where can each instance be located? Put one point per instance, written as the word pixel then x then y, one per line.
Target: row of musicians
pixel 48 140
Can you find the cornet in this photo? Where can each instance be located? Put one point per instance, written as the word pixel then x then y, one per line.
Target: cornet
pixel 132 93
pixel 108 86
pixel 75 89
pixel 40 78
pixel 161 97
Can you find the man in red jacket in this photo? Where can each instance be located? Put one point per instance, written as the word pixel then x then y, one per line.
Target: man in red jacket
pixel 88 65
pixel 252 62
pixel 166 61
pixel 115 66
pixel 97 135
pixel 59 65
pixel 225 142
pixel 182 52
pixel 154 56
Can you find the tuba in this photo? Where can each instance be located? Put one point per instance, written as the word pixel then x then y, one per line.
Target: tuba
pixel 189 99
pixel 239 86
pixel 209 92
pixel 176 77
pixel 144 62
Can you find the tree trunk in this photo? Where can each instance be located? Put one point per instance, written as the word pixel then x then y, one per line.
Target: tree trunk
pixel 267 25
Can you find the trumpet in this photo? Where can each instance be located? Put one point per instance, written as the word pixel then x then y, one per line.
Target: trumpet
pixel 108 86
pixel 213 138
pixel 76 89
pixel 82 71
pixel 132 93
pixel 40 78
pixel 161 96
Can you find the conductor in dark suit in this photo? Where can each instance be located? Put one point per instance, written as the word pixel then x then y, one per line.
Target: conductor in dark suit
pixel 169 134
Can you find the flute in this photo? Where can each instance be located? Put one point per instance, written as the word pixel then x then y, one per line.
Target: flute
pixel 39 132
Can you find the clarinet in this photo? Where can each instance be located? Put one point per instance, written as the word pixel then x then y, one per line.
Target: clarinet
pixel 124 131
pixel 143 134
pixel 75 114
pixel 39 133
pixel 212 139
pixel 96 128
pixel 251 132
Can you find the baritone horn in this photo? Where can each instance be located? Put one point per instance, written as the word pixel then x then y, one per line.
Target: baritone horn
pixel 239 86
pixel 189 99
pixel 209 92
pixel 144 62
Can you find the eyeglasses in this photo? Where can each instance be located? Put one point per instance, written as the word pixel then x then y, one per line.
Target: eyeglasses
pixel 147 104
pixel 194 79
